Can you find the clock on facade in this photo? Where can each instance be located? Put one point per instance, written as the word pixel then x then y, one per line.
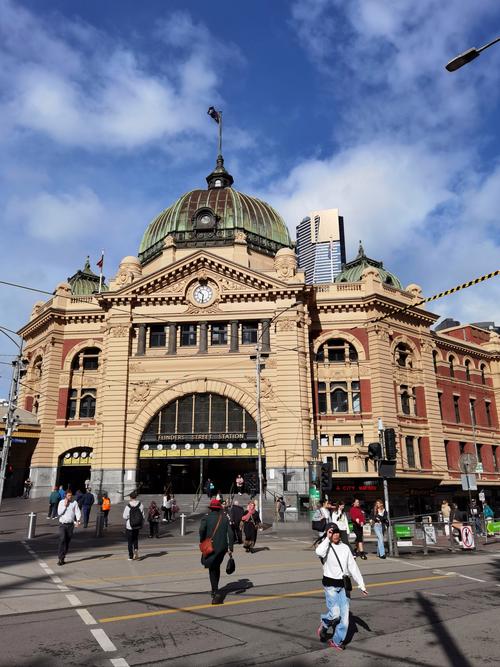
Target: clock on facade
pixel 204 219
pixel 203 294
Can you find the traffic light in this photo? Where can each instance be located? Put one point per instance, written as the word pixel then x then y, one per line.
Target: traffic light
pixel 390 444
pixel 325 478
pixel 374 451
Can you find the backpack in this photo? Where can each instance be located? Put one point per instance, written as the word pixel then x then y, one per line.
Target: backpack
pixel 136 518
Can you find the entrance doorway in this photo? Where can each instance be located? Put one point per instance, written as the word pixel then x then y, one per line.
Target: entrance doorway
pixel 74 468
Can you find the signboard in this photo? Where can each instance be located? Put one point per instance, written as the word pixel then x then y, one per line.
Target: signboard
pixel 469 482
pixel 467 537
pixel 430 534
pixel 479 468
pixel 493 527
pixel 482 497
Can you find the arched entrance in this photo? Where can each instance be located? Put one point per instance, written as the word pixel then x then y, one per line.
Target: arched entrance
pixel 196 437
pixel 74 468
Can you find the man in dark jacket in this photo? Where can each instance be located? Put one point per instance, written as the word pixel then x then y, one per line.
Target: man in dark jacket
pixel 235 514
pixel 87 502
pixel 216 526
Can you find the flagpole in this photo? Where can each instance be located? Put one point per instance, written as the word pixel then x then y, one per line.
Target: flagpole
pixel 220 132
pixel 101 265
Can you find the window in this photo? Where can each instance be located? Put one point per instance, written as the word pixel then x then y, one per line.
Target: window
pixel 36 404
pixel 322 398
pixel 323 440
pixel 451 362
pixel 367 464
pixel 219 334
pixel 249 333
pixel 188 335
pixel 487 405
pixel 456 406
pixel 435 360
pixel 358 439
pixel 447 452
pixel 336 350
pixel 472 409
pixel 37 369
pixel 440 401
pixel 338 397
pixel 157 336
pixel 479 449
pixel 467 370
pixel 494 450
pixel 410 452
pixel 72 400
pixel 342 439
pixel 87 404
pixel 483 374
pixel 356 396
pixel 461 446
pixel 343 464
pixel 87 360
pixel 405 400
pixel 403 355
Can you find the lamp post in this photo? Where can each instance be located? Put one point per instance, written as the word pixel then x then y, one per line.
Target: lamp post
pixel 258 367
pixel 467 56
pixel 10 418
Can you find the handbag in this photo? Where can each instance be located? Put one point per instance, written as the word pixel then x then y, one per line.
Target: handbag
pixel 319 525
pixel 345 577
pixel 207 545
pixel 230 565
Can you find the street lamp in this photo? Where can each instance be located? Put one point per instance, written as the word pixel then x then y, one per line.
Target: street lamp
pixel 468 56
pixel 258 356
pixel 10 418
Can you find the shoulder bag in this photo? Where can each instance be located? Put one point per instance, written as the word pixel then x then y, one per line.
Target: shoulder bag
pixel 207 545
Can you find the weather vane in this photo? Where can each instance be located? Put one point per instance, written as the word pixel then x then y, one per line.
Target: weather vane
pixel 217 116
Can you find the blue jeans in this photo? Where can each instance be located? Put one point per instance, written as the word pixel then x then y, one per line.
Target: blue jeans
pixel 379 532
pixel 337 604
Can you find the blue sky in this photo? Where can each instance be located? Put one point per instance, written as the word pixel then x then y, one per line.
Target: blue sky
pixel 326 103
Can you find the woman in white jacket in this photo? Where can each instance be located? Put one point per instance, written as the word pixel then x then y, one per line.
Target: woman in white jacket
pixel 339 517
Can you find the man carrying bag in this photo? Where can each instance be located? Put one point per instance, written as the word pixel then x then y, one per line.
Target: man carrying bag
pixel 338 566
pixel 216 539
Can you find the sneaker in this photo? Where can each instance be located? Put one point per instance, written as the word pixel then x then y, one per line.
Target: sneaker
pixel 60 562
pixel 362 555
pixel 322 633
pixel 382 556
pixel 337 647
pixel 136 555
pixel 130 558
pixel 217 599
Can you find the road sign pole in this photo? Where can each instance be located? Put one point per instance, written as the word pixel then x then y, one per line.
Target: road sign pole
pixel 386 490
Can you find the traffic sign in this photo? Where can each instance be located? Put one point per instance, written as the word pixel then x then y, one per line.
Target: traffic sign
pixel 482 497
pixel 467 537
pixel 469 482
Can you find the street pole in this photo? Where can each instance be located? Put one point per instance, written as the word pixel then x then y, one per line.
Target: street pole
pixel 259 429
pixel 10 419
pixel 386 486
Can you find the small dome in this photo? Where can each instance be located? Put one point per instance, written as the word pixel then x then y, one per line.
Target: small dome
pixel 130 260
pixel 85 282
pixel 352 271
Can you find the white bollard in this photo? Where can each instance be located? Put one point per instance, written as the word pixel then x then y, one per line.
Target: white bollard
pixel 31 525
pixel 183 524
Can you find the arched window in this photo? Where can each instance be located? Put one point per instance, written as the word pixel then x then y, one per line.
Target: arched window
pixel 86 360
pixel 451 362
pixel 405 400
pixel 37 368
pixel 435 360
pixel 483 374
pixel 339 397
pixel 87 404
pixel 467 370
pixel 336 350
pixel 403 355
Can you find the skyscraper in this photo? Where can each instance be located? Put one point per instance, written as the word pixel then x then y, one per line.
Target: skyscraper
pixel 321 245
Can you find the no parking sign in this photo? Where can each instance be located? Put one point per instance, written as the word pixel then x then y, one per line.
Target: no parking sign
pixel 467 537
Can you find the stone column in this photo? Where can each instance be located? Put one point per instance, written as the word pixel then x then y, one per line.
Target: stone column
pixel 203 347
pixel 233 336
pixel 266 335
pixel 141 340
pixel 172 338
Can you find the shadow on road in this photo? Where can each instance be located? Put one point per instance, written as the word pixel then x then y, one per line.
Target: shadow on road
pixel 156 554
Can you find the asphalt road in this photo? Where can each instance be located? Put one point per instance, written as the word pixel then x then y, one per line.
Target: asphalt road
pixel 100 609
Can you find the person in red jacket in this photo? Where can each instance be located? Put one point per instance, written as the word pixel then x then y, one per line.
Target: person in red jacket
pixel 358 521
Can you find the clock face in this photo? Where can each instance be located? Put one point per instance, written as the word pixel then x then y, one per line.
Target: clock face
pixel 203 294
pixel 205 220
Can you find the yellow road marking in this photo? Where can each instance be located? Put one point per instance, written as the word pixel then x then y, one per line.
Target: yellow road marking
pixel 263 598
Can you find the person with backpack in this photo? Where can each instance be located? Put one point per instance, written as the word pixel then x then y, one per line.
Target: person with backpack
pixel 87 502
pixel 154 520
pixel 105 507
pixel 134 520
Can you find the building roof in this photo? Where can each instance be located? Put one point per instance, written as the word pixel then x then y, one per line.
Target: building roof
pixel 352 271
pixel 234 211
pixel 25 418
pixel 85 282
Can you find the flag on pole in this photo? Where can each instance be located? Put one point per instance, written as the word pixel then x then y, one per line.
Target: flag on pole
pixel 100 263
pixel 213 113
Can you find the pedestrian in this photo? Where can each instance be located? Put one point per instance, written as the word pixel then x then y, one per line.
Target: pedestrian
pixel 27 488
pixel 105 507
pixel 53 503
pixel 240 483
pixel 209 488
pixel 475 514
pixel 336 567
pixel 339 517
pixel 62 492
pixel 380 521
pixel 134 520
pixel 68 514
pixel 87 485
pixel 250 523
pixel 235 515
pixel 175 507
pixel 154 520
pixel 488 513
pixel 358 521
pixel 87 502
pixel 320 520
pixel 167 508
pixel 280 507
pixel 445 511
pixel 215 526
pixel 79 498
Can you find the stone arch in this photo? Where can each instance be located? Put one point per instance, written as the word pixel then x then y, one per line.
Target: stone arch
pixel 415 352
pixel 339 333
pixel 195 386
pixel 70 355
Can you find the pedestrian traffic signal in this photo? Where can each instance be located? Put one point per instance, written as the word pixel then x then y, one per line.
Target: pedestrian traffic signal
pixel 325 478
pixel 374 451
pixel 390 444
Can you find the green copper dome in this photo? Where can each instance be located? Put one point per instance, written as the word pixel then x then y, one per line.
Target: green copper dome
pixel 352 271
pixel 85 282
pixel 214 217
